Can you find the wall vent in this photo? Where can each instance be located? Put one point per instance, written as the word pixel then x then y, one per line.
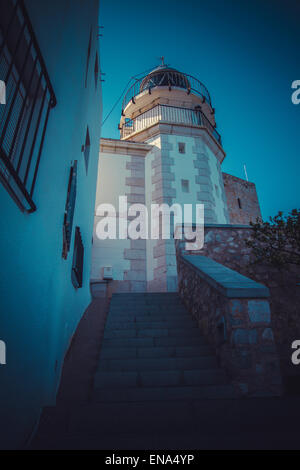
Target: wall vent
pixel 107 273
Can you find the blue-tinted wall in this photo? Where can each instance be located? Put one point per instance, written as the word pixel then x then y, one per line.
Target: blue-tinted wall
pixel 39 307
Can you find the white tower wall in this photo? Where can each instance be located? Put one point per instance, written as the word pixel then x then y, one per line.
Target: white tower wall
pixel 166 170
pixel 169 152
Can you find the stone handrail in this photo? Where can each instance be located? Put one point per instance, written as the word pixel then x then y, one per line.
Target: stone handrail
pixel 234 314
pixel 230 283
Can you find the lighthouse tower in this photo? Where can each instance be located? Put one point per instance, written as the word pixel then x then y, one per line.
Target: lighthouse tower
pixel 172 111
pixel 169 152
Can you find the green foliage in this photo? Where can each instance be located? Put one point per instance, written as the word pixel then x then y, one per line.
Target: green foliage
pixel 277 242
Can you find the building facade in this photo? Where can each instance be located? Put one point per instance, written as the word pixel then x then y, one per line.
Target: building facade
pixel 242 200
pixel 50 131
pixel 169 152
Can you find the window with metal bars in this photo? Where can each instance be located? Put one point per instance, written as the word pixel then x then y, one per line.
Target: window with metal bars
pixel 87 149
pixel 69 210
pixel 77 266
pixel 29 98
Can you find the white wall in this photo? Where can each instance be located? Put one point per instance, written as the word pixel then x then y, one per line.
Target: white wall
pixel 112 173
pixel 111 184
pixel 184 169
pixel 218 188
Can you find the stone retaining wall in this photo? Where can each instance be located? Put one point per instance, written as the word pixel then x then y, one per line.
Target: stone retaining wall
pixel 238 328
pixel 226 245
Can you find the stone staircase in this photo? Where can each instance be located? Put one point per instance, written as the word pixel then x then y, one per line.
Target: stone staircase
pixel 153 351
pixel 157 386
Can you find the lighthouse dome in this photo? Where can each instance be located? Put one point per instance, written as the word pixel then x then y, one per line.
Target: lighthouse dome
pixel 165 76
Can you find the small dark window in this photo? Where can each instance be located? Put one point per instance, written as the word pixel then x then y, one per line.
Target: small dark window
pixel 88 59
pixel 239 203
pixel 181 147
pixel 69 210
pixel 185 186
pixel 96 70
pixel 87 148
pixel 77 266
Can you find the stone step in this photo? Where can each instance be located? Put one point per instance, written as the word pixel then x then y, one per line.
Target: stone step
pixel 170 323
pixel 187 393
pixel 148 310
pixel 256 423
pixel 151 342
pixel 191 440
pixel 167 351
pixel 128 418
pixel 164 297
pixel 147 303
pixel 146 300
pixel 154 364
pixel 138 295
pixel 173 378
pixel 152 333
pixel 166 316
pixel 153 308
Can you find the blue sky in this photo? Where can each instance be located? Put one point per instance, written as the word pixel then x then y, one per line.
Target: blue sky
pixel 246 52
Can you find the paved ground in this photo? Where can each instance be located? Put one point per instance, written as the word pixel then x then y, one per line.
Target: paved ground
pixel 155 384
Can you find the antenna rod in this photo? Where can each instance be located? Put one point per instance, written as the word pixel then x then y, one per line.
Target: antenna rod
pixel 245 169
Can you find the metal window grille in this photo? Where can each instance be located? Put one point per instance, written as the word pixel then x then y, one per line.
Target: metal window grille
pixel 77 267
pixel 29 98
pixel 69 210
pixel 87 148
